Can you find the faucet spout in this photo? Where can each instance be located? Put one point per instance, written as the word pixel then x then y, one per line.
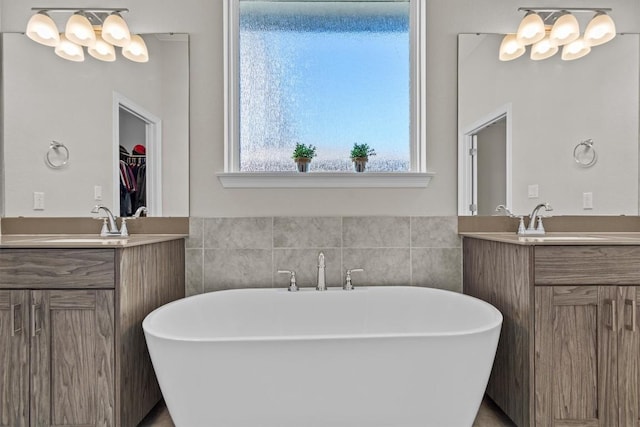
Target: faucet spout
pixel 534 214
pixel 321 277
pixel 113 228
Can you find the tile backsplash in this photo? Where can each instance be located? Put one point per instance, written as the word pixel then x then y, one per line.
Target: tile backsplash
pixel 229 253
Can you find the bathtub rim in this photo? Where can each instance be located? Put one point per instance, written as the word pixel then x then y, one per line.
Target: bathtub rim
pixel 495 323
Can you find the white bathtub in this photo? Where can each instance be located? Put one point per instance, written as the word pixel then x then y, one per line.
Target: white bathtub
pixel 371 357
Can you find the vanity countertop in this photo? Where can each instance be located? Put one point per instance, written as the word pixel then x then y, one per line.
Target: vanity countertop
pixel 82 240
pixel 560 239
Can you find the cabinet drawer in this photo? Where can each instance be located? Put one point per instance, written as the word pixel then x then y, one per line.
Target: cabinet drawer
pixel 57 268
pixel 587 265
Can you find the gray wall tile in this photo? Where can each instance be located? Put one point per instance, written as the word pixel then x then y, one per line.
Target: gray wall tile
pixel 307 232
pixel 196 233
pixel 237 268
pixel 238 233
pixel 437 268
pixel 435 232
pixel 390 266
pixel 305 263
pixel 194 275
pixel 375 232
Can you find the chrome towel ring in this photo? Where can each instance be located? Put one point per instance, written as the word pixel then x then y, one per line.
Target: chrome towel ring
pixel 584 154
pixel 57 155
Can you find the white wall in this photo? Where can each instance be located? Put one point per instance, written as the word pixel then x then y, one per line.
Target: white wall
pixel 203 20
pixel 556 104
pixel 47 98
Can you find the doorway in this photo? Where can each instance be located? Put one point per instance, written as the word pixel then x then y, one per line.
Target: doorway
pixel 137 137
pixel 485 165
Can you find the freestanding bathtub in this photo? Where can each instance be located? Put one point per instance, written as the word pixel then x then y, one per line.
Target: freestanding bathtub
pixel 371 357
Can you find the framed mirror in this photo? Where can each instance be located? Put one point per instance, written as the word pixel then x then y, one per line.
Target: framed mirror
pixel 522 123
pixel 84 106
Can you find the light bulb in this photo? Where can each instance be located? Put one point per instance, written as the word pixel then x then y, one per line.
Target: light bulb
pixel 79 30
pixel 531 29
pixel 102 50
pixel 510 48
pixel 43 30
pixel 68 50
pixel 136 50
pixel 576 49
pixel 544 49
pixel 600 29
pixel 565 30
pixel 115 30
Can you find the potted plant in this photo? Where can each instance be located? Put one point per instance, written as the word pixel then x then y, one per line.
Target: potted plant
pixel 302 155
pixel 360 156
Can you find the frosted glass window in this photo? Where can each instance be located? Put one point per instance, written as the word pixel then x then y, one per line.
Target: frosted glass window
pixel 329 74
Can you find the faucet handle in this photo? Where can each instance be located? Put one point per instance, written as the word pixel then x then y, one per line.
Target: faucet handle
pixel 347 284
pixel 292 279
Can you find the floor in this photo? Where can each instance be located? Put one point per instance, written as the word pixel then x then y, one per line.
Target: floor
pixel 488 416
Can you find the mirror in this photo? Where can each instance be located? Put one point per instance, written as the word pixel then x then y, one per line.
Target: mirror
pixel 541 115
pixel 47 98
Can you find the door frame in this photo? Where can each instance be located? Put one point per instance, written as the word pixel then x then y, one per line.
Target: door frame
pixel 153 145
pixel 467 173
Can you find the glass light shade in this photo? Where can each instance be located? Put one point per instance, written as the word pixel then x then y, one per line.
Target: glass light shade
pixel 68 50
pixel 565 30
pixel 576 49
pixel 544 49
pixel 510 48
pixel 136 50
pixel 79 30
pixel 102 50
pixel 43 30
pixel 531 29
pixel 600 29
pixel 115 30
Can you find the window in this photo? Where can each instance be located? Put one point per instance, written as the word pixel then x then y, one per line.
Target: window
pixel 329 74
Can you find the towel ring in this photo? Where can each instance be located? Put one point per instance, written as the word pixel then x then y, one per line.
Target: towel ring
pixel 581 154
pixel 58 161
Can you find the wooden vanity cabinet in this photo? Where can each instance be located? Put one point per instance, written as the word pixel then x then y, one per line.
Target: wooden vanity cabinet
pixel 569 352
pixel 72 349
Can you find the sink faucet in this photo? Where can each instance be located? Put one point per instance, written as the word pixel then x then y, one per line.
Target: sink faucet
pixel 140 211
pixel 321 280
pixel 533 228
pixel 113 228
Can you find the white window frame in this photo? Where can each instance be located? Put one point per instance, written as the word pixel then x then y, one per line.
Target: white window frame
pixel 232 177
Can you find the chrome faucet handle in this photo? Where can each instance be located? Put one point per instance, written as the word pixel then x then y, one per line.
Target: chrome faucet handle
pixel 347 284
pixel 292 279
pixel 505 210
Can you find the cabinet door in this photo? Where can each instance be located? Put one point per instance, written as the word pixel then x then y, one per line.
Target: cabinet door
pixel 14 359
pixel 576 356
pixel 72 358
pixel 629 358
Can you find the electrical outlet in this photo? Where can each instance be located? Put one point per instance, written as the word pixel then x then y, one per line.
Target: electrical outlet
pixel 587 200
pixel 38 201
pixel 533 191
pixel 97 192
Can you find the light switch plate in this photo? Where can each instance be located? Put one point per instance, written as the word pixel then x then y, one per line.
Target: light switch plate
pixel 587 200
pixel 97 192
pixel 533 191
pixel 38 201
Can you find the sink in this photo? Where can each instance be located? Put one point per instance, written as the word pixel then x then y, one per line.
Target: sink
pixel 561 238
pixel 104 241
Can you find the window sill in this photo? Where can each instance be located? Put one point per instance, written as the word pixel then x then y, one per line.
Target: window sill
pixel 325 179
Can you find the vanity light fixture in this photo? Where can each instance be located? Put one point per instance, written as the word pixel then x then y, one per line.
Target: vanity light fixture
pixel 548 29
pixel 100 30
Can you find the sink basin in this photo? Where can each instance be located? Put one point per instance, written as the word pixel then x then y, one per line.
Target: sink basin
pixel 561 238
pixel 104 241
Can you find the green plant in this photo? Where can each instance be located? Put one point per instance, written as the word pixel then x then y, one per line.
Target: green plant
pixel 304 151
pixel 362 150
